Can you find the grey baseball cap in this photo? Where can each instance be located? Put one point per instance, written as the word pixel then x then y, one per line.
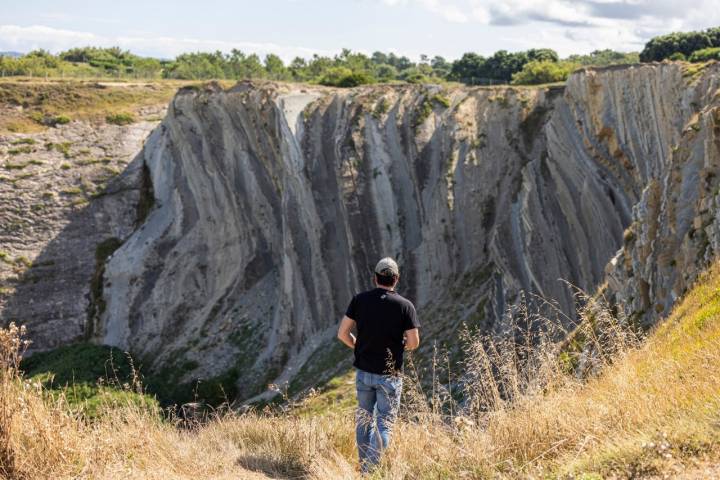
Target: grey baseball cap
pixel 388 267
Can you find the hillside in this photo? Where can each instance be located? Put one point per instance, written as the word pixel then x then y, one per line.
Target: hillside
pixel 651 413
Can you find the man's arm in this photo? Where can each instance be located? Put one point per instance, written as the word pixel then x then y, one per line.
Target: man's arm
pixel 344 331
pixel 412 339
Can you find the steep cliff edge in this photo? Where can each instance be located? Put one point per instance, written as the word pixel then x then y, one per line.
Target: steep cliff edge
pixel 253 214
pixel 272 203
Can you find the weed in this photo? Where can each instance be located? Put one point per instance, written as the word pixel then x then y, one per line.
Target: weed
pixel 20 150
pixel 120 118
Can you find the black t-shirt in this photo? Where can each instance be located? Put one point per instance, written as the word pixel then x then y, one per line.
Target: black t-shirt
pixel 382 316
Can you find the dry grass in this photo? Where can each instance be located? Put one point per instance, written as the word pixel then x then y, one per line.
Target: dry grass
pixel 31 106
pixel 651 409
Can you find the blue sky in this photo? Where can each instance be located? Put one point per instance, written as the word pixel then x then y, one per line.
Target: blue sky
pixel 302 27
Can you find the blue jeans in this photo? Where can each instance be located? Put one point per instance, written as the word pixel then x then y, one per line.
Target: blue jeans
pixel 378 403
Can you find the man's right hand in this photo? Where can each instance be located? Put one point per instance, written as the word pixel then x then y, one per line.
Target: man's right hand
pixel 344 334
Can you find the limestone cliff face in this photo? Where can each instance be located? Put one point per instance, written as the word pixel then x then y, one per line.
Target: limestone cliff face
pixel 675 231
pixel 272 203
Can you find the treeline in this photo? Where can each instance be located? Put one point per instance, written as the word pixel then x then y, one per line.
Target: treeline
pixel 346 69
pixel 697 46
pixel 349 68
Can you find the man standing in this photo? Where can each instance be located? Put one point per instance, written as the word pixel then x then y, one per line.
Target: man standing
pixel 386 324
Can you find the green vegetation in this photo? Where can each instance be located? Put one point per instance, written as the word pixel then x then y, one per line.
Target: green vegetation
pixel 92 378
pixel 123 118
pixel 705 55
pixel 686 43
pixel 543 72
pixel 347 69
pixel 23 141
pixel 19 150
pixel 15 166
pixel 59 120
pixel 57 102
pixel 97 303
pixel 604 58
pixel 344 77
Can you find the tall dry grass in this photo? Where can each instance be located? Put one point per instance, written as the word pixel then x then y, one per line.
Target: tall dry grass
pixel 522 406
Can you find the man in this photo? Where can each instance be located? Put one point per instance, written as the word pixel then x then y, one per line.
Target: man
pixel 386 324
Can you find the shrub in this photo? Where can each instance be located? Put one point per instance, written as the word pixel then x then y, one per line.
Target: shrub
pixel 677 57
pixel 345 78
pixel 122 118
pixel 705 55
pixel 19 150
pixel 23 141
pixel 534 73
pixel 60 120
pixel 417 78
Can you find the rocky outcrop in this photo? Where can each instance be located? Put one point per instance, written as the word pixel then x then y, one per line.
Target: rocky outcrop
pixel 262 209
pixel 272 203
pixel 64 204
pixel 675 231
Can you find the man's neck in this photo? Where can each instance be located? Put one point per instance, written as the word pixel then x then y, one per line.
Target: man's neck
pixel 384 287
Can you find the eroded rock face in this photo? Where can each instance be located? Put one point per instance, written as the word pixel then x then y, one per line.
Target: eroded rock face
pixel 252 215
pixel 63 201
pixel 272 203
pixel 675 231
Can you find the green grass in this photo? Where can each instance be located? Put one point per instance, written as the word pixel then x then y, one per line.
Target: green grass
pixel 79 363
pixel 122 118
pixel 15 166
pixel 23 141
pixel 20 150
pixel 92 378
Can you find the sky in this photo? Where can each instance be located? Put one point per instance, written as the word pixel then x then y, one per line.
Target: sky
pixel 302 28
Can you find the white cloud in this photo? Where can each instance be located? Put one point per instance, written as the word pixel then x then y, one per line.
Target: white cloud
pixel 449 12
pixel 24 39
pixel 577 25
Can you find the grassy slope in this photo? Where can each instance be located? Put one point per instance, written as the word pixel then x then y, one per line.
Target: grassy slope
pixel 28 106
pixel 654 412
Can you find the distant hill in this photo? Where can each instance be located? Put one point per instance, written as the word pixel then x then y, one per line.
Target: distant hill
pixel 11 54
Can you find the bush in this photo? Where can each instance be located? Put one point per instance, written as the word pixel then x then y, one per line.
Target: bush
pixel 120 118
pixel 59 120
pixel 345 78
pixel 677 57
pixel 534 73
pixel 662 47
pixel 705 55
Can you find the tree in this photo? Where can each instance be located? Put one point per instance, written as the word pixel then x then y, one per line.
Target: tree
pixel 537 72
pixel 195 66
pixel 503 64
pixel 344 77
pixel 275 67
pixel 468 69
pixel 298 69
pixel 441 67
pixel 542 55
pixel 661 47
pixel 385 72
pixel 147 67
pixel 605 57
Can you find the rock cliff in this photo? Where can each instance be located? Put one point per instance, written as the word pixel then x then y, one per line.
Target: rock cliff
pixel 265 207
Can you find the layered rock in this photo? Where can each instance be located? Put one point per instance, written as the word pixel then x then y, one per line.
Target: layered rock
pixel 267 206
pixel 675 232
pixel 272 204
pixel 64 205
